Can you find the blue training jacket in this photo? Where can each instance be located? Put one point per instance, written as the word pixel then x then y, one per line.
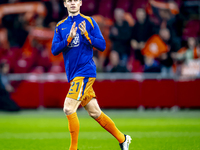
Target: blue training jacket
pixel 78 52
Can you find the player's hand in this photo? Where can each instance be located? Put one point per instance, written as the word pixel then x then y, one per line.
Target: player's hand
pixel 73 30
pixel 82 27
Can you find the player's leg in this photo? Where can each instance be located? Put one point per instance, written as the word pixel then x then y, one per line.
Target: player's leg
pixel 89 102
pixel 71 104
pixel 70 107
pixel 95 112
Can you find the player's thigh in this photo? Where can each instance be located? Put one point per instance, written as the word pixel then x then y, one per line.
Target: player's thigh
pixel 70 105
pixel 76 88
pixel 93 108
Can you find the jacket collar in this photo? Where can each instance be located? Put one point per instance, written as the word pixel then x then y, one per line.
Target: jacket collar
pixel 72 18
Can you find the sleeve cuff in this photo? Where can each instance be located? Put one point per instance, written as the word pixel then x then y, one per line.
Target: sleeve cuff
pixel 69 39
pixel 87 37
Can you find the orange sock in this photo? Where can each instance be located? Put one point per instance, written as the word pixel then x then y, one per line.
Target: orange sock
pixel 109 125
pixel 73 124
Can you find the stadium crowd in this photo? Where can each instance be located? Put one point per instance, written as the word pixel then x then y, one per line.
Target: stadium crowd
pixel 160 36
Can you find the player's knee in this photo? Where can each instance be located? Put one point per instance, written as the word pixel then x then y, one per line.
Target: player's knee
pixel 95 114
pixel 68 110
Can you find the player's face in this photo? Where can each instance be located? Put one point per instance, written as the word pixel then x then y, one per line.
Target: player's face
pixel 73 6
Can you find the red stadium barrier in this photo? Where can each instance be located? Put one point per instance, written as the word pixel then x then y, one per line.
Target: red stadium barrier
pixel 28 94
pixel 114 93
pixel 158 93
pixel 188 93
pixel 55 93
pixel 117 94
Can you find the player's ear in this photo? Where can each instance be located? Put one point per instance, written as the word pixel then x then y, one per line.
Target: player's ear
pixel 65 3
pixel 81 2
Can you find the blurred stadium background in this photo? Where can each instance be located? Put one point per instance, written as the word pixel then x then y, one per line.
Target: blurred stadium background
pixel 151 59
pixel 151 63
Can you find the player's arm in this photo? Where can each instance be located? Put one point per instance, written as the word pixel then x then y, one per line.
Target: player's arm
pixel 95 38
pixel 59 45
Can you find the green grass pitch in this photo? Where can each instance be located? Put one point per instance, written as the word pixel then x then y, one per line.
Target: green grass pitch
pixel 150 130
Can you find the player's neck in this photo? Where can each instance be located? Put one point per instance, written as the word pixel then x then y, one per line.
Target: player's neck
pixel 74 14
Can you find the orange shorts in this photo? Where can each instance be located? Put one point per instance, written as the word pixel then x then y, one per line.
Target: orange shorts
pixel 81 89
